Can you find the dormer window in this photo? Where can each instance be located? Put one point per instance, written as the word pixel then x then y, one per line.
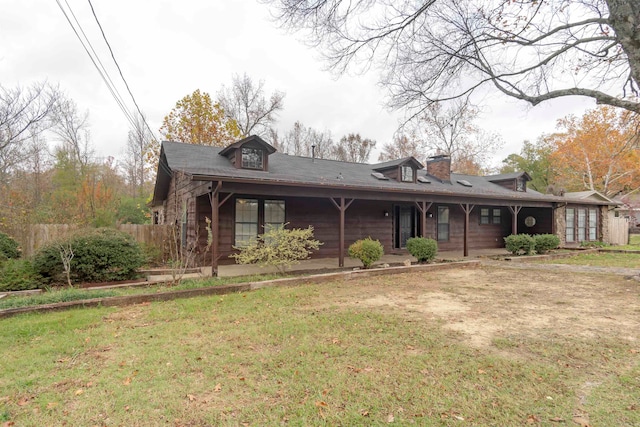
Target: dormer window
pixel 252 158
pixel 407 173
pixel 520 184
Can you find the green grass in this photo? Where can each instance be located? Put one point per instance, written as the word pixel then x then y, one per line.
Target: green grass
pixel 601 259
pixel 634 244
pixel 76 294
pixel 296 356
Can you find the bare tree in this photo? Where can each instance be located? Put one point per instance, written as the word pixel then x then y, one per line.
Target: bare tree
pixel 72 129
pixel 24 114
pixel 353 148
pixel 245 102
pixel 452 131
pixel 300 139
pixel 439 50
pixel 403 145
pixel 137 167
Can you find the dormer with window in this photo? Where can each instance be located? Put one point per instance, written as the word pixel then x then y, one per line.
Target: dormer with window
pixel 249 153
pixel 401 170
pixel 516 181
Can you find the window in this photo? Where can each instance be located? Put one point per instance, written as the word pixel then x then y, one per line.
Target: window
pixel 582 225
pixel 443 223
pixel 571 223
pixel 246 220
pixel 593 225
pixel 255 216
pixel 183 225
pixel 520 184
pixel 490 215
pixel 407 174
pixel 252 158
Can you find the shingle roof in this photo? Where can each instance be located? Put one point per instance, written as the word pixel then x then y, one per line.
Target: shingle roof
pixel 205 162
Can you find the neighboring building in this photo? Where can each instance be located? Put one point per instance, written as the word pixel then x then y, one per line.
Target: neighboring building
pixel 629 207
pixel 248 185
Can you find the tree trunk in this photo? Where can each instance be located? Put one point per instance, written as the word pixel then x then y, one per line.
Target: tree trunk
pixel 624 16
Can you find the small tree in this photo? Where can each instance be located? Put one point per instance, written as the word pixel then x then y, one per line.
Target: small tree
pixel 422 248
pixel 279 247
pixel 366 250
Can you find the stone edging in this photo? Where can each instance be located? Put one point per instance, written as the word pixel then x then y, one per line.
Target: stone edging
pixel 228 289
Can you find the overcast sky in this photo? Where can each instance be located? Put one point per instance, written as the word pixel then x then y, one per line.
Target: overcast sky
pixel 167 49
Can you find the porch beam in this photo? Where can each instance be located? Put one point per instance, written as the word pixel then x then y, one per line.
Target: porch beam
pixel 215 227
pixel 467 208
pixel 223 201
pixel 342 207
pixel 423 207
pixel 515 210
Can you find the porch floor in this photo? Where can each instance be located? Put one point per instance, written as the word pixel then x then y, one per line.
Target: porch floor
pixel 331 264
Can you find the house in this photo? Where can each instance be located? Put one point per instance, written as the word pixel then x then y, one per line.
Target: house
pixel 249 185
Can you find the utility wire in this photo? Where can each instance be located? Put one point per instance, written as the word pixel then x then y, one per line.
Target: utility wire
pixel 119 69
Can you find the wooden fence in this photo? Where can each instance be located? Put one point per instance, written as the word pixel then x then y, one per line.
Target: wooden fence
pixel 38 235
pixel 618 231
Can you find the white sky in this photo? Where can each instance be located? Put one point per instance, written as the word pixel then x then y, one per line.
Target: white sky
pixel 167 49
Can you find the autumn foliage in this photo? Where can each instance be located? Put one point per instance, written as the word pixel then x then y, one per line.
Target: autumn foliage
pixel 598 151
pixel 197 120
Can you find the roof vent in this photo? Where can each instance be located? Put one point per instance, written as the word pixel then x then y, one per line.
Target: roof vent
pixel 424 180
pixel 378 175
pixel 464 182
pixel 340 177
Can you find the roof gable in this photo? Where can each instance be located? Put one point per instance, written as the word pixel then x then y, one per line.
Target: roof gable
pixel 392 164
pixel 253 140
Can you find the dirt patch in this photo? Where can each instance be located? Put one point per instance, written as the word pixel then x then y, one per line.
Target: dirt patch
pixel 490 302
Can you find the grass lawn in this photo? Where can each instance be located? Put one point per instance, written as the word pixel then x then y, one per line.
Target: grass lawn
pixel 601 259
pixel 634 244
pixel 485 346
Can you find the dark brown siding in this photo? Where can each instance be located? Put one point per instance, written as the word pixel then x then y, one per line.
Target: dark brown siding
pixel 544 221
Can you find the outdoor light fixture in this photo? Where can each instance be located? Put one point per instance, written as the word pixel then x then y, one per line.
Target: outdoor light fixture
pixel 429 214
pixel 386 213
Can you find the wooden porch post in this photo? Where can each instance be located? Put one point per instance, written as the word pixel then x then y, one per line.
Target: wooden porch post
pixel 342 207
pixel 467 208
pixel 423 207
pixel 515 210
pixel 215 228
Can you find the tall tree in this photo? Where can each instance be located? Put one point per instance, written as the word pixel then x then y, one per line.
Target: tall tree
pixel 24 114
pixel 353 148
pixel 439 50
pixel 137 167
pixel 197 120
pixel 72 129
pixel 600 151
pixel 535 159
pixel 403 145
pixel 245 102
pixel 300 139
pixel 451 130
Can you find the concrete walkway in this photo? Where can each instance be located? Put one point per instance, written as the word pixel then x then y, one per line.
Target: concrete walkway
pixel 325 265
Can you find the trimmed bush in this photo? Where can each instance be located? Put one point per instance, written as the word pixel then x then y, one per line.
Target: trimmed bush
pixel 100 255
pixel 279 247
pixel 8 248
pixel 545 242
pixel 519 244
pixel 422 248
pixel 18 275
pixel 366 250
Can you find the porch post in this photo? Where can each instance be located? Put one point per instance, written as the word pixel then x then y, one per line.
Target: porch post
pixel 215 228
pixel 342 207
pixel 423 207
pixel 515 210
pixel 467 208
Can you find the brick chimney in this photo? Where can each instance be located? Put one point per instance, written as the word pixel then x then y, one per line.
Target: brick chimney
pixel 440 167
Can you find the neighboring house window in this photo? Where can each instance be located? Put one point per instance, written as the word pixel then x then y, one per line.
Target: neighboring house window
pixel 407 174
pixel 255 216
pixel 246 220
pixel 520 184
pixel 571 223
pixel 443 223
pixel 252 158
pixel 490 215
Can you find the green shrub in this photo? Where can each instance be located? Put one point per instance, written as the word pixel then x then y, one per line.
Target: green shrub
pixel 8 247
pixel 366 250
pixel 18 275
pixel 99 255
pixel 545 242
pixel 279 247
pixel 422 248
pixel 519 244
